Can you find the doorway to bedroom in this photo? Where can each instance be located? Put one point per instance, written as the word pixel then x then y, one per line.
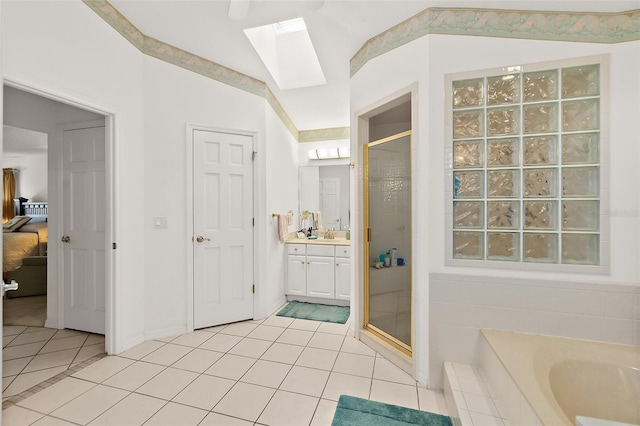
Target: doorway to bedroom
pixel 33 130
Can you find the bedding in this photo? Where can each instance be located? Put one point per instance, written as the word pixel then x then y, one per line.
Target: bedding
pixel 28 240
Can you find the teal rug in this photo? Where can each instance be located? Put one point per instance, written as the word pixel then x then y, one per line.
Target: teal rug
pixel 352 411
pixel 315 312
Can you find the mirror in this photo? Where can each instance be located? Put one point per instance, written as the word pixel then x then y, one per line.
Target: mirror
pixel 325 189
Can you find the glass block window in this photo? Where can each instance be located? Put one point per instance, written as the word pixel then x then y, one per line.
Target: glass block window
pixel 525 165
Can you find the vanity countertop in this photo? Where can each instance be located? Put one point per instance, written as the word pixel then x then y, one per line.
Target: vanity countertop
pixel 320 241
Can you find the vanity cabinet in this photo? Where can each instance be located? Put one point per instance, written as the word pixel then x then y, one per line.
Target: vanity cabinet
pixel 318 271
pixel 342 272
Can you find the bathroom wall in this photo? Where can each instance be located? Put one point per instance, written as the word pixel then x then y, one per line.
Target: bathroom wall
pixel 424 63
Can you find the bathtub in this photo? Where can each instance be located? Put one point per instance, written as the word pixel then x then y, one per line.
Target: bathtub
pixel 551 380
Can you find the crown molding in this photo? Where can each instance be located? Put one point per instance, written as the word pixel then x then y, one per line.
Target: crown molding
pixel 317 135
pixel 586 27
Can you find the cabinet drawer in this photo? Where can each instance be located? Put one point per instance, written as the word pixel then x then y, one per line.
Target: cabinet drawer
pixel 319 250
pixel 296 249
pixel 343 251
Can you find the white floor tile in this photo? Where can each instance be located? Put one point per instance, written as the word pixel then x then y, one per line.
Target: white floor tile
pixel 168 383
pixel 19 416
pixel 87 352
pixel 168 354
pixel 90 404
pixel 55 396
pixel 94 339
pixel 63 343
pixel 52 421
pixel 134 376
pixel 101 370
pixel 216 419
pixel 333 328
pixel 245 401
pixel 42 335
pixel 14 366
pixel 359 365
pixel 326 341
pixel 142 350
pixel 324 413
pixel 239 329
pixel 346 384
pixel 317 358
pixel 27 380
pixel 133 410
pixel 354 346
pixel 295 337
pixel 303 324
pixel 50 360
pixel 198 360
pixel 386 370
pixel 307 381
pixel 277 321
pixel 432 401
pixel 220 342
pixel 174 414
pixel 394 393
pixel 252 348
pixel 60 334
pixel 231 366
pixel 289 409
pixel 266 373
pixel 266 332
pixel 204 392
pixel 21 351
pixel 193 340
pixel 12 330
pixel 280 352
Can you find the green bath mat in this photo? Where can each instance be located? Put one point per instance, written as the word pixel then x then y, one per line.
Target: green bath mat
pixel 315 312
pixel 352 411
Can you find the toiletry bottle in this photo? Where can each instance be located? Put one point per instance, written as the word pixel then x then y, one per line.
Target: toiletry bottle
pixel 394 257
pixel 387 260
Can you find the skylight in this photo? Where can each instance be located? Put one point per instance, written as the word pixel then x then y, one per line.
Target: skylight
pixel 288 53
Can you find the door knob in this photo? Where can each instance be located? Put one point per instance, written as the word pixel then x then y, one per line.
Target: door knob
pixel 200 239
pixel 66 239
pixel 13 285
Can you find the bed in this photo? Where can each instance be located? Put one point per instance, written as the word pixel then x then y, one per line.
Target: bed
pixel 27 240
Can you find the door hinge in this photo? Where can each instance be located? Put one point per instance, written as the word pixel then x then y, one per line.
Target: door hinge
pixel 253 155
pixel 253 221
pixel 369 234
pixel 114 245
pixel 253 289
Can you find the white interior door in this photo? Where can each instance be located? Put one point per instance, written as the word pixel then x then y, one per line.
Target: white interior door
pixel 330 202
pixel 223 228
pixel 83 241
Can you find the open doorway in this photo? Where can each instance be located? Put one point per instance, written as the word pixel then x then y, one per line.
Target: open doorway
pixel 31 127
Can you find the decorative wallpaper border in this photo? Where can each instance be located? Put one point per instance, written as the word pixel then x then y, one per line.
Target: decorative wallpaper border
pixel 587 27
pixel 332 134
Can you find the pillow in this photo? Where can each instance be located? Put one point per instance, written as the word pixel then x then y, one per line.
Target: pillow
pixel 15 223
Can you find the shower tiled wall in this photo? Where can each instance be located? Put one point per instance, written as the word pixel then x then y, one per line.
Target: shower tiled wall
pixel 461 305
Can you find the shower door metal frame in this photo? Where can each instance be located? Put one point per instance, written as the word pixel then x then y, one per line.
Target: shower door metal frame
pixel 384 336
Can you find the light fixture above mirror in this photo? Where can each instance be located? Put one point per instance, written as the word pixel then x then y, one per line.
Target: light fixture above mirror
pixel 329 153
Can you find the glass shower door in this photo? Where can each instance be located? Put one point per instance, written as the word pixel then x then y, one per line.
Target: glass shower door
pixel 387 191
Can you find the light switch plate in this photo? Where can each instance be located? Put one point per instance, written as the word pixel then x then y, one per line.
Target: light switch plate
pixel 159 222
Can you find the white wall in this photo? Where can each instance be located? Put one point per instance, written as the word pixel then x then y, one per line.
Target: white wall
pixel 280 194
pixel 31 178
pixel 64 48
pixel 152 102
pixel 425 62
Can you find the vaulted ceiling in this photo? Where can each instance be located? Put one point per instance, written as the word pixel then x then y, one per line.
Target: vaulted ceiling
pixel 338 29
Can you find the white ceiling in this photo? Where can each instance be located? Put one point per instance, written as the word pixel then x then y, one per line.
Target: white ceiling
pixel 338 29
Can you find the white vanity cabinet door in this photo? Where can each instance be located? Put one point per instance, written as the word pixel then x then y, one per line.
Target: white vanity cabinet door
pixel 343 277
pixel 320 279
pixel 297 275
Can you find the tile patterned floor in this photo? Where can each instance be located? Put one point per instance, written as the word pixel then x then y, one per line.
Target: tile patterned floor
pixel 279 371
pixel 32 355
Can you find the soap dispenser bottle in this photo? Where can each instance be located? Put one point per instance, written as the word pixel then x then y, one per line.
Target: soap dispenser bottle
pixel 387 260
